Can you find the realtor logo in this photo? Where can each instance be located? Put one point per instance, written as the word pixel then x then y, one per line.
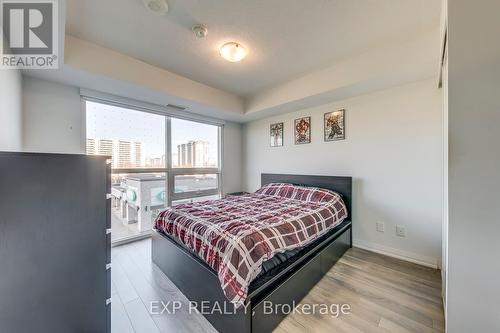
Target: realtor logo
pixel 30 34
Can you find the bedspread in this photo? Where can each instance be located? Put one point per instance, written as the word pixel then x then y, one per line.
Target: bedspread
pixel 237 234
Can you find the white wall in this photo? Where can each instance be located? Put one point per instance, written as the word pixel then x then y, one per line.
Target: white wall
pixel 52 117
pixel 54 122
pixel 232 158
pixel 10 110
pixel 394 152
pixel 473 301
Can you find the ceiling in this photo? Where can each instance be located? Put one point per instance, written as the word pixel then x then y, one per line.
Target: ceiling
pixel 286 38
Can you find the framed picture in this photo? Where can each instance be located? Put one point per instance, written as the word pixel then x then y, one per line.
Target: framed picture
pixel 302 130
pixel 335 125
pixel 276 131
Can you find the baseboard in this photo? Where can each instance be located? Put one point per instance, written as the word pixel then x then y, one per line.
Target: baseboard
pixel 396 253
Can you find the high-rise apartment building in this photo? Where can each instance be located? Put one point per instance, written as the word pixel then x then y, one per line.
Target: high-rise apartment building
pixel 138 154
pixel 105 147
pixel 125 154
pixel 193 154
pixel 91 147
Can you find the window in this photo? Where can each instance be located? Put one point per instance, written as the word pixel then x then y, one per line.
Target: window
pixel 158 160
pixel 194 145
pixel 133 139
pixel 195 159
pixel 195 183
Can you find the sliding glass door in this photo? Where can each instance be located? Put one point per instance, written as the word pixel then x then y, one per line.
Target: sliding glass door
pixel 157 161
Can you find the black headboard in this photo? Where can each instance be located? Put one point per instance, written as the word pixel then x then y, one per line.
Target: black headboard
pixel 341 185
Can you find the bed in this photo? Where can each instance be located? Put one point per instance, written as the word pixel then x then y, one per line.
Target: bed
pixel 247 276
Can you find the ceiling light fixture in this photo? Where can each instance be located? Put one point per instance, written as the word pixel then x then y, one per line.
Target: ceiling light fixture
pixel 233 52
pixel 159 7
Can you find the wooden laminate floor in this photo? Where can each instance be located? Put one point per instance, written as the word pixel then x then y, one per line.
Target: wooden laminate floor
pixel 384 295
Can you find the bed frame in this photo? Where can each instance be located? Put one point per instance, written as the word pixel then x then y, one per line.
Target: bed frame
pixel 200 284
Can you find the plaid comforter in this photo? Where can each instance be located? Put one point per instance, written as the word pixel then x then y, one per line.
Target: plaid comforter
pixel 237 234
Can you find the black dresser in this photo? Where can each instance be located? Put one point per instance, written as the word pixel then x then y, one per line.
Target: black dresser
pixel 55 243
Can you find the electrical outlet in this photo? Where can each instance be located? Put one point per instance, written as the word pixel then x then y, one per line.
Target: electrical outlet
pixel 380 226
pixel 400 231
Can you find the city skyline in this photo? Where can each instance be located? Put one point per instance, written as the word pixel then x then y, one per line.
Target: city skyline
pixel 124 154
pixel 127 154
pixel 111 123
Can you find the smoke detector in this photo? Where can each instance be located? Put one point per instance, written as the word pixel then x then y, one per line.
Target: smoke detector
pixel 200 30
pixel 159 7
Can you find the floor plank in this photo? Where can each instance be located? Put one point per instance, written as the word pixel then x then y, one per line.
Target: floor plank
pixel 140 317
pixel 385 295
pixel 122 283
pixel 151 292
pixel 120 322
pixel 392 326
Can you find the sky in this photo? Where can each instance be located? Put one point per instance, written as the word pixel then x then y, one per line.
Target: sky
pixel 111 122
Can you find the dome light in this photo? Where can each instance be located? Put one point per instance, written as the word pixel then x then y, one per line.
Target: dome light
pixel 233 52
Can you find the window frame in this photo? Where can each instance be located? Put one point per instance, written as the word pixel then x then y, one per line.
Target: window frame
pixel 169 171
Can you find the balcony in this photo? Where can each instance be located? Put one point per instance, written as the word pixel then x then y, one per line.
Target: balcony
pixel 137 199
